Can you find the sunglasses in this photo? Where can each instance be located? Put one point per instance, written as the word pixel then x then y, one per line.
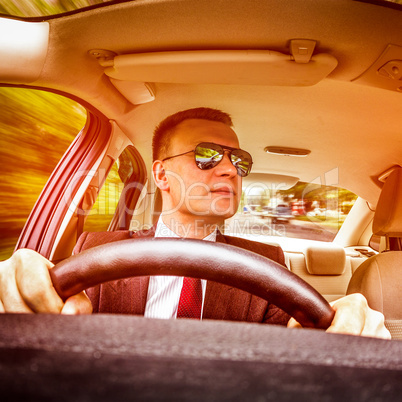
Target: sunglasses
pixel 207 155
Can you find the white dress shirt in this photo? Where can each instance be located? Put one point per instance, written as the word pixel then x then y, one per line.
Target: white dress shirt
pixel 164 291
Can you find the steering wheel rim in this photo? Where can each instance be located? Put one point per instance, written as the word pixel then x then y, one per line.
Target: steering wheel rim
pixel 217 262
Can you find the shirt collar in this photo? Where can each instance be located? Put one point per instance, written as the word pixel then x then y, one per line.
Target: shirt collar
pixel 164 231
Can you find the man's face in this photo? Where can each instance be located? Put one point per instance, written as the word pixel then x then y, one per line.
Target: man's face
pixel 212 195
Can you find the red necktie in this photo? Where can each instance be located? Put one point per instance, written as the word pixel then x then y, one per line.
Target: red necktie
pixel 190 299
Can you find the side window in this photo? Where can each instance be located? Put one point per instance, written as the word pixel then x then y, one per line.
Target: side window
pixel 120 188
pixel 36 128
pixel 101 214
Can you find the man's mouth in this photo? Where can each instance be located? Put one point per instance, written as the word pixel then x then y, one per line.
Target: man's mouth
pixel 223 190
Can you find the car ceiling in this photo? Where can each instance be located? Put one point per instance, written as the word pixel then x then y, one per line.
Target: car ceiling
pixel 352 130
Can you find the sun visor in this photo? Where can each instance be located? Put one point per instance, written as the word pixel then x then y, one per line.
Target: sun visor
pixel 135 92
pixel 241 67
pixel 23 50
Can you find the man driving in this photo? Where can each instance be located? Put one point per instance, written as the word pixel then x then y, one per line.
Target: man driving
pixel 198 167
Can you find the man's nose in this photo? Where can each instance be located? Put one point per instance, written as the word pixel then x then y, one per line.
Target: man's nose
pixel 226 167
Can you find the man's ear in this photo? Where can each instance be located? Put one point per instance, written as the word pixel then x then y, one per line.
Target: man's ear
pixel 159 175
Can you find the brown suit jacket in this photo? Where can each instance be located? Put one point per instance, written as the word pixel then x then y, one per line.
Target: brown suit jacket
pixel 222 302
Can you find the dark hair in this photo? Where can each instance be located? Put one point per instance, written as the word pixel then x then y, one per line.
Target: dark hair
pixel 163 132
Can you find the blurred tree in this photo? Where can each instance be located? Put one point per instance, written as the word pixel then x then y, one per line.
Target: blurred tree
pixel 37 8
pixel 36 128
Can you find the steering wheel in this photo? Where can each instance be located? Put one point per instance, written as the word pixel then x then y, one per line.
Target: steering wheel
pixel 217 262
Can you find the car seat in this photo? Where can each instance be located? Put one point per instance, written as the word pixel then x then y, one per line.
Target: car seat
pixel 325 266
pixel 379 278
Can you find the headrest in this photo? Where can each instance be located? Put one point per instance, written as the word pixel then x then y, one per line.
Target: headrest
pixel 388 214
pixel 325 260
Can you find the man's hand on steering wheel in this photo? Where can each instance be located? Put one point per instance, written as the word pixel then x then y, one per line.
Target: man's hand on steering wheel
pixel 26 287
pixel 353 316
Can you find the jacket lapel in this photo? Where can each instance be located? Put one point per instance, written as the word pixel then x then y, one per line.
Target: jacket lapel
pixel 126 296
pixel 225 302
pixel 140 286
pixel 140 292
